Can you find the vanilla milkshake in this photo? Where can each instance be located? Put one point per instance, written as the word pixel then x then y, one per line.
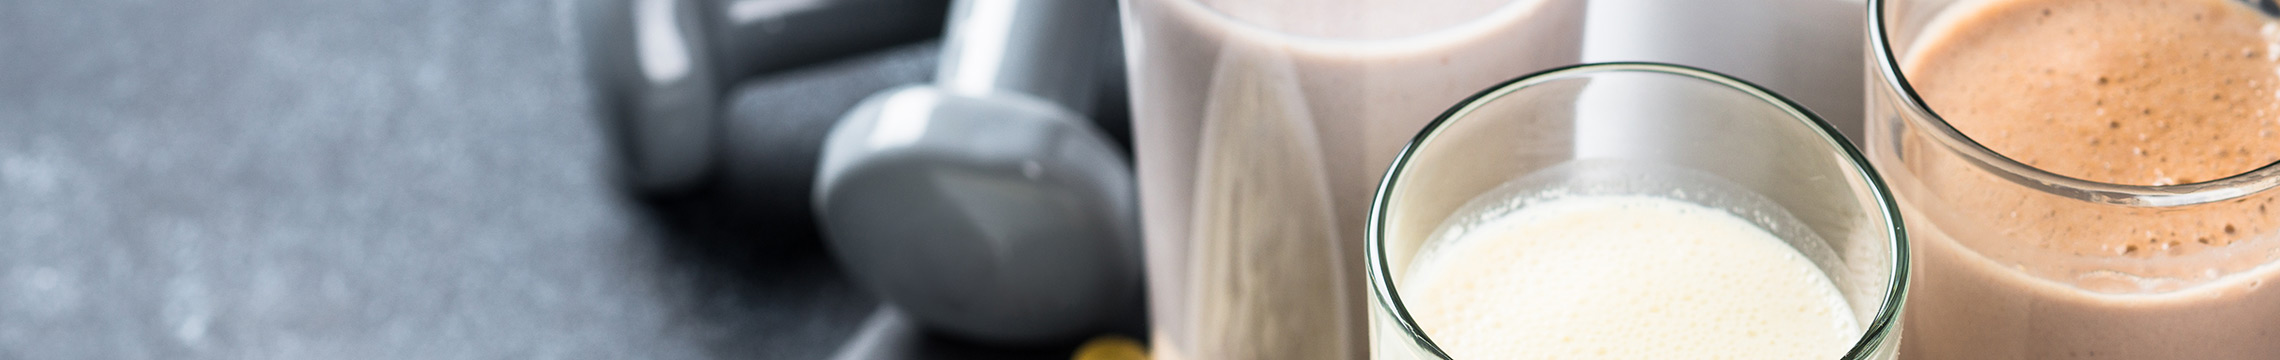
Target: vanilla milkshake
pixel 1259 128
pixel 1633 210
pixel 1624 277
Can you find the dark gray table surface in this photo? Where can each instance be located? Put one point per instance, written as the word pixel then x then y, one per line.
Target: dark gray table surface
pixel 285 179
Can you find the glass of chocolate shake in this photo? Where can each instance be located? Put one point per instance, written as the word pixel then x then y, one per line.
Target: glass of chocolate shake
pixel 1633 211
pixel 2082 179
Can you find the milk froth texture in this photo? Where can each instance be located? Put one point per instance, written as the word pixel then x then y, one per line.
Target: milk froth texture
pixel 2139 92
pixel 1624 277
pixel 2134 92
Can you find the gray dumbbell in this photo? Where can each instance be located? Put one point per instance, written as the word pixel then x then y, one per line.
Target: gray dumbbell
pixel 985 204
pixel 660 65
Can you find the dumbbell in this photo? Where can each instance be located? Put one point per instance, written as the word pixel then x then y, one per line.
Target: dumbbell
pixel 660 66
pixel 984 204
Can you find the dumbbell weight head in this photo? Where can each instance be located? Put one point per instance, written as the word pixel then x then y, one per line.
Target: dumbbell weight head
pixel 997 217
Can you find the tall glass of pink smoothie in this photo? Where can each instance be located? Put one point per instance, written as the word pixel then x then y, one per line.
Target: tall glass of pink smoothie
pixel 1259 128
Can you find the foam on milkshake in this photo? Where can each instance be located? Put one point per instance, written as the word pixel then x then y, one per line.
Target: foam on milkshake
pixel 1623 276
pixel 2136 92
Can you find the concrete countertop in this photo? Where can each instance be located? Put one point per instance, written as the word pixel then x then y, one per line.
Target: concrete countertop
pixel 275 179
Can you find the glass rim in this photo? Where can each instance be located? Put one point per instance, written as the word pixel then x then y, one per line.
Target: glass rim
pixel 1921 116
pixel 1383 292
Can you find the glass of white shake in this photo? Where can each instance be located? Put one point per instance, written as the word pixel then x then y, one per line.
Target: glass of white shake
pixel 1633 211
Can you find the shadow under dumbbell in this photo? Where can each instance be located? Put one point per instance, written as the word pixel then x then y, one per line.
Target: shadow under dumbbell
pixel 888 334
pixel 753 289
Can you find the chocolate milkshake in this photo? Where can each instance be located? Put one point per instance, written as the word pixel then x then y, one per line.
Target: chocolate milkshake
pixel 1260 128
pixel 2124 92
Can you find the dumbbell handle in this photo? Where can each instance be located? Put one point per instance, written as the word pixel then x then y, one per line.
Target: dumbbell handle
pixel 750 37
pixel 659 66
pixel 1041 48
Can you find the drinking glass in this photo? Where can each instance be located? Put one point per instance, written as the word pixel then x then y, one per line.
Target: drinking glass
pixel 1989 285
pixel 1644 128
